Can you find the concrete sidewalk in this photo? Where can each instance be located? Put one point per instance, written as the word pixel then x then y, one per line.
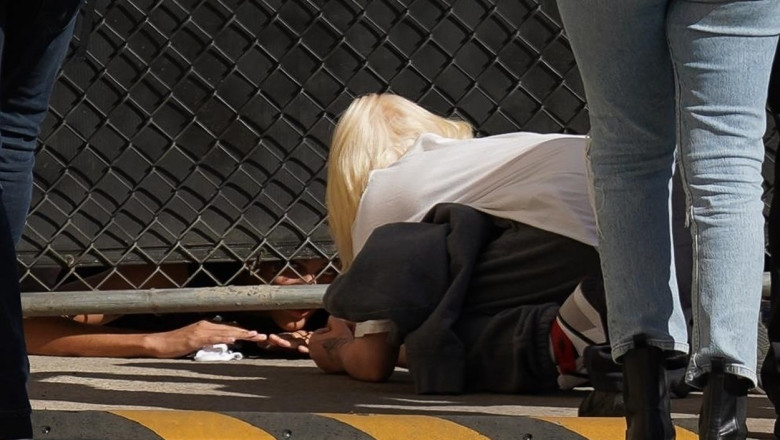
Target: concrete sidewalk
pixel 94 398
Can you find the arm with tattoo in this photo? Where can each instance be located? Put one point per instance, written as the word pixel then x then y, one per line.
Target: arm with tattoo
pixel 332 349
pixel 368 358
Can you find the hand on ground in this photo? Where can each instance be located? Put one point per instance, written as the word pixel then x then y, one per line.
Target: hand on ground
pixel 183 341
pixel 297 341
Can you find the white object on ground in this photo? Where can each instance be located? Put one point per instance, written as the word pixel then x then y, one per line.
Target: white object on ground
pixel 217 353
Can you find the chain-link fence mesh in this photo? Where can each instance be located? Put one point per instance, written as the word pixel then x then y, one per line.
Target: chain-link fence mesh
pixel 190 143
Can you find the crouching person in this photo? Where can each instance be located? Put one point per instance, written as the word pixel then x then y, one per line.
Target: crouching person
pixel 474 300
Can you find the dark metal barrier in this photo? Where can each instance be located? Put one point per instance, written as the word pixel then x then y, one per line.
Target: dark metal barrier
pixel 195 132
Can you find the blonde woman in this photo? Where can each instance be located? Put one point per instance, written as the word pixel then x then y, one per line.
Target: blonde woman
pixel 461 249
pixel 528 177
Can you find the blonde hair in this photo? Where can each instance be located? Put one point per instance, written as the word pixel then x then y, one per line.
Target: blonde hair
pixel 374 131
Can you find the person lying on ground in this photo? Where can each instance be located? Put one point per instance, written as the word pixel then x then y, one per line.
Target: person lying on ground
pixel 477 255
pixel 461 249
pixel 179 334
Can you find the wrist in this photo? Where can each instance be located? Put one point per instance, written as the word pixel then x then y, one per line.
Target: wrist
pixel 330 357
pixel 149 345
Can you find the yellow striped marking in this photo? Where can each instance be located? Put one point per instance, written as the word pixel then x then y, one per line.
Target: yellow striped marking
pixel 407 427
pixel 194 425
pixel 605 428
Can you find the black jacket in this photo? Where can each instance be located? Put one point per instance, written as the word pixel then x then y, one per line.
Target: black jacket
pixel 471 296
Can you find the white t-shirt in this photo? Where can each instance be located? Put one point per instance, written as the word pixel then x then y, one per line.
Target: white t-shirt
pixel 535 179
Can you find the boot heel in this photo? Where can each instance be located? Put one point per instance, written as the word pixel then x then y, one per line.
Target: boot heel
pixel 645 393
pixel 724 405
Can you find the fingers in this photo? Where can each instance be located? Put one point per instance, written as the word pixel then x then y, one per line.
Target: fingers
pixel 296 341
pixel 210 333
pixel 257 337
pixel 204 333
pixel 279 341
pixel 228 331
pixel 231 336
pixel 218 339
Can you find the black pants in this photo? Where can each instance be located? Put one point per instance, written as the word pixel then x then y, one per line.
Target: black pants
pixel 14 368
pixel 34 36
pixel 520 280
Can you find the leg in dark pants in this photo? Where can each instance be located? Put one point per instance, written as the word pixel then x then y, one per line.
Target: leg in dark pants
pixel 34 37
pixel 37 34
pixel 14 368
pixel 517 286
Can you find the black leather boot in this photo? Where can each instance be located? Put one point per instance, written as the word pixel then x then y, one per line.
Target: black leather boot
pixel 770 374
pixel 724 405
pixel 606 378
pixel 645 393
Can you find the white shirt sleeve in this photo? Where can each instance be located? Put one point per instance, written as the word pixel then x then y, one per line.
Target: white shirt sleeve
pixel 372 327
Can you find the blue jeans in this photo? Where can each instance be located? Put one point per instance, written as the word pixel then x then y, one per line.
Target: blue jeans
pixel 34 37
pixel 693 74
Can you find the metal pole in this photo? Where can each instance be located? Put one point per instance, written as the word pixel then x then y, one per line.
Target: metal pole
pixel 204 299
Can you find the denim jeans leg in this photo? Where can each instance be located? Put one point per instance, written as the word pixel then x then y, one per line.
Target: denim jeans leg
pixel 722 54
pixel 38 33
pixel 621 50
pixel 701 67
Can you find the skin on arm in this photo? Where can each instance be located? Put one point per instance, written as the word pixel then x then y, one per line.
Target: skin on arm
pixel 368 358
pixel 95 318
pixel 64 337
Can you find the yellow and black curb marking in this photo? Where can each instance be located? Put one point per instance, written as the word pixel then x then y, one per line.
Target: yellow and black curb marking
pixel 197 425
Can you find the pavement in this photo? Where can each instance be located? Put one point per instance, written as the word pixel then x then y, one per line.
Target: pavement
pixel 290 399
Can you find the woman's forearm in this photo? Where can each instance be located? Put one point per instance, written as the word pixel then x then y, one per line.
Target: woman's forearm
pixel 63 337
pixel 369 358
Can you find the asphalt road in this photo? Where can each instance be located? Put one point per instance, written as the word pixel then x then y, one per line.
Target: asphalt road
pixel 86 398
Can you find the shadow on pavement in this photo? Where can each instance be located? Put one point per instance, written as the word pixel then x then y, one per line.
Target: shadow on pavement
pixel 249 385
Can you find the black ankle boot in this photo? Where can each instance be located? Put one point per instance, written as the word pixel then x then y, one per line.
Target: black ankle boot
pixel 770 375
pixel 645 393
pixel 606 378
pixel 724 405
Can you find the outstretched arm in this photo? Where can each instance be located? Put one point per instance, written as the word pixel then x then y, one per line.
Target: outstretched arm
pixel 64 337
pixel 335 350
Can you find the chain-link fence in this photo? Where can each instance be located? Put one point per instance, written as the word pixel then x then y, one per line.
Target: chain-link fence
pixel 191 140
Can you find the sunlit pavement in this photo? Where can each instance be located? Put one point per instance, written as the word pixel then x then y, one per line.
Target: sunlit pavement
pixel 107 399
